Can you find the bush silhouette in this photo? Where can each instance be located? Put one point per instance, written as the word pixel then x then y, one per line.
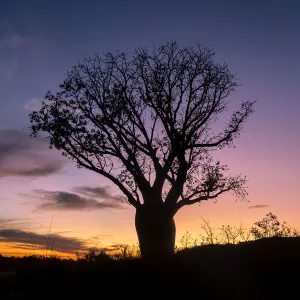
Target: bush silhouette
pixel 96 255
pixel 270 226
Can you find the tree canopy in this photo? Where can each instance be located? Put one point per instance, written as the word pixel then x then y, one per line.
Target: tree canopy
pixel 146 123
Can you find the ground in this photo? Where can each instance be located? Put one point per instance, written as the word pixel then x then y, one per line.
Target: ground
pixel 262 269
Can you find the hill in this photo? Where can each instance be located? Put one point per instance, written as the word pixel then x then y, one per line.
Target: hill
pixel 261 269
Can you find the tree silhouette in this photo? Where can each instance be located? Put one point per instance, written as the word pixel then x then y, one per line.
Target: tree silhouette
pixel 270 226
pixel 146 123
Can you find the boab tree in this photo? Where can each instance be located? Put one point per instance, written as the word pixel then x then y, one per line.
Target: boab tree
pixel 146 124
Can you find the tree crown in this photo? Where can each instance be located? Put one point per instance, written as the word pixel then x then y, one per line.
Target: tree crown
pixel 145 123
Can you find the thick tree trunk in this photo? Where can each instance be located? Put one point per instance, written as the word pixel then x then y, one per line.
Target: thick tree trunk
pixel 156 231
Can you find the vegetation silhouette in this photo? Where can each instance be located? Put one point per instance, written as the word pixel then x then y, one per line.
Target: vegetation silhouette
pixel 259 269
pixel 146 124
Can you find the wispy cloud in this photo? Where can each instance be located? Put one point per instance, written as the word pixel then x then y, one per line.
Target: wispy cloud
pixel 19 224
pixel 258 206
pixel 33 104
pixel 62 200
pixel 98 192
pixel 29 240
pixel 21 155
pixel 47 169
pixel 6 222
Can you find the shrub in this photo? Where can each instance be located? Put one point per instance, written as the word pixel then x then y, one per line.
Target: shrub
pixel 270 226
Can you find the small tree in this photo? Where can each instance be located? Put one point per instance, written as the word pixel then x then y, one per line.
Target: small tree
pixel 145 123
pixel 245 233
pixel 270 226
pixel 230 234
pixel 187 241
pixel 209 234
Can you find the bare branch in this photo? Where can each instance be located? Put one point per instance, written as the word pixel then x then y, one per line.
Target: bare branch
pixel 146 123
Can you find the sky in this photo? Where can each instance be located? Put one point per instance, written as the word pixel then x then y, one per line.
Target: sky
pixel 44 195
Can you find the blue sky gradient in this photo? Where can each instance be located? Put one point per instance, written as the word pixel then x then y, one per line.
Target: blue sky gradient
pixel 41 40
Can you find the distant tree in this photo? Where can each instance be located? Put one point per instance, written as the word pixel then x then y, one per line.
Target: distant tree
pixel 146 124
pixel 187 241
pixel 230 234
pixel 270 226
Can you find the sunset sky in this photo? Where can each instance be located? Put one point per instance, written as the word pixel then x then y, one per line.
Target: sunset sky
pixel 41 40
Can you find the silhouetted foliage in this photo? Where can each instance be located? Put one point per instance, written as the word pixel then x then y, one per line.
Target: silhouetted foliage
pixel 96 255
pixel 127 252
pixel 187 241
pixel 146 124
pixel 267 227
pixel 270 226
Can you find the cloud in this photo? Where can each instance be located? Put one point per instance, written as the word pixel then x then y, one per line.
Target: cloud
pixel 21 155
pixel 5 222
pixel 258 206
pixel 61 200
pixel 31 240
pixel 20 224
pixel 33 104
pixel 42 168
pixel 47 169
pixel 13 141
pixel 98 192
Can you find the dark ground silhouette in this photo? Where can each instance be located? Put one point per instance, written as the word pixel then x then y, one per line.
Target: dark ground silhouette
pixel 262 269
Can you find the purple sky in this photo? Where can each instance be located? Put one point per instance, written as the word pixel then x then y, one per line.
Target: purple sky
pixel 40 40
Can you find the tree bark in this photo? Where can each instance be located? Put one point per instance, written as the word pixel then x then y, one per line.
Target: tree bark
pixel 156 231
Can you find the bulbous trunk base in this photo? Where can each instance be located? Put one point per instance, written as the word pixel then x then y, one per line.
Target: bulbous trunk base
pixel 156 232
